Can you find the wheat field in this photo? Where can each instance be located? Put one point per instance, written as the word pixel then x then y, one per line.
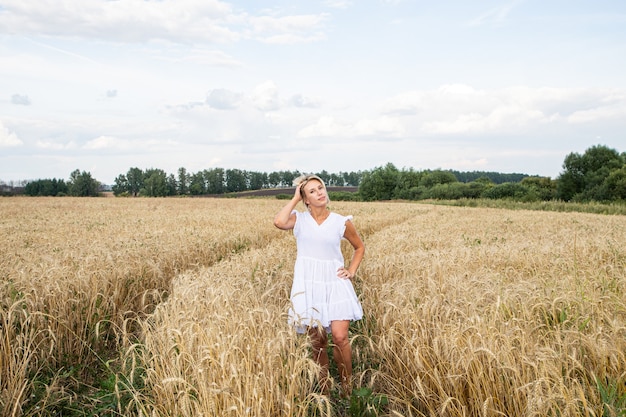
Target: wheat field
pixel 181 304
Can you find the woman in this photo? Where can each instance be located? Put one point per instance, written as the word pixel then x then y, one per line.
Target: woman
pixel 322 296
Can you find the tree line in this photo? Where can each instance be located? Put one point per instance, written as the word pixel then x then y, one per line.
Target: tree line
pixel 80 184
pixel 599 174
pixel 157 183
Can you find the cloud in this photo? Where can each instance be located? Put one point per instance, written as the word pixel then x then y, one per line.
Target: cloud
pixel 288 29
pixel 102 143
pixel 223 99
pixel 128 21
pixel 408 103
pixel 496 16
pixel 55 146
pixel 8 139
pixel 211 57
pixel 265 96
pixel 338 4
pixel 461 109
pixel 298 100
pixel 383 126
pixel 499 119
pixel 107 142
pixel 599 114
pixel 179 21
pixel 328 126
pixel 20 99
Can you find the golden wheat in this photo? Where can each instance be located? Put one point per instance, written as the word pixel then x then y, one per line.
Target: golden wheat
pixel 468 311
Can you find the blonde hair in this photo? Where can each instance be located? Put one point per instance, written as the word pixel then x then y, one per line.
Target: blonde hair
pixel 303 179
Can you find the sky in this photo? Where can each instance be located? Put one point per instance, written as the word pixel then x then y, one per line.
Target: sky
pixel 339 85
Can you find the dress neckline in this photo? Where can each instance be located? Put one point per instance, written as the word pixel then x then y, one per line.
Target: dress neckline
pixel 323 221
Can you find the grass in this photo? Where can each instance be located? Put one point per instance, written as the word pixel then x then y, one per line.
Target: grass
pixel 613 208
pixel 178 307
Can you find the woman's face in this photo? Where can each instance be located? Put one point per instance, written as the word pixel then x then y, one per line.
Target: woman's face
pixel 315 194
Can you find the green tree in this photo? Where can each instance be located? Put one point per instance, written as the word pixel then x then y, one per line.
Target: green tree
pixel 616 184
pixel 336 180
pixel 475 189
pixel 81 184
pixel 351 178
pixel 215 180
pixel 257 180
pixel 543 187
pixel 135 178
pixel 446 191
pixel 379 183
pixel 172 185
pixel 155 183
pixel 438 176
pixel 273 179
pixel 507 190
pixel 407 182
pixel 287 177
pixel 235 180
pixel 183 181
pixel 120 185
pixel 46 187
pixel 325 176
pixel 197 184
pixel 584 175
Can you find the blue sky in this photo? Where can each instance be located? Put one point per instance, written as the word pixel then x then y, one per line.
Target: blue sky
pixel 336 85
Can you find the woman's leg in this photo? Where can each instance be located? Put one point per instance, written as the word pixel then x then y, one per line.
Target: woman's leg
pixel 319 343
pixel 342 353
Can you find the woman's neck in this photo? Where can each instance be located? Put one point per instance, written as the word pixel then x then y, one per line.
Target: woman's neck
pixel 319 213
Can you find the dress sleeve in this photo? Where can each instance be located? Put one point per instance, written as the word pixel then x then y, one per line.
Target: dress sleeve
pixel 296 227
pixel 344 219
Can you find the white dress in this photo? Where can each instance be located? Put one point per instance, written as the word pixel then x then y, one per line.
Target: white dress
pixel 318 295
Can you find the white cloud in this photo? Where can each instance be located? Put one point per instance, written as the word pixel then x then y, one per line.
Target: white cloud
pixel 102 143
pixel 55 146
pixel 7 138
pixel 461 109
pixel 129 21
pixel 383 126
pixel 209 57
pixel 265 96
pixel 20 99
pixel 338 4
pixel 291 38
pixel 138 21
pixel 496 16
pixel 499 119
pixel 107 142
pixel 599 114
pixel 288 29
pixel 328 126
pixel 223 99
pixel 299 100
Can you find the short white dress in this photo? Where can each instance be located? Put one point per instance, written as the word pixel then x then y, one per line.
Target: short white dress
pixel 318 295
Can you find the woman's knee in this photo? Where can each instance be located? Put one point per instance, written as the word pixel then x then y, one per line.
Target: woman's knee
pixel 339 331
pixel 340 338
